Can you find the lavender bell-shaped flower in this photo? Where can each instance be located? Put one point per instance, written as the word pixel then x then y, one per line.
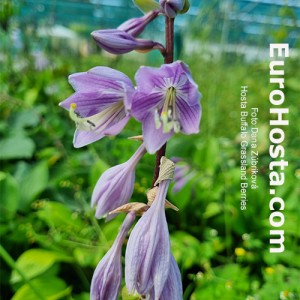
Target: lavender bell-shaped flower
pixel 99 105
pixel 136 26
pixel 172 7
pixel 147 258
pixel 115 186
pixel 173 286
pixel 166 101
pixel 108 274
pixel 117 41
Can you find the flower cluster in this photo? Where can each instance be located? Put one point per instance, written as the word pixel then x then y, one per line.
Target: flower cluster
pixel 166 101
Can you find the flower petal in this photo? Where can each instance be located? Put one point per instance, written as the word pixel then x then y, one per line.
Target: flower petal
pixel 189 117
pixel 143 103
pixel 154 138
pixel 83 138
pixel 147 257
pixel 91 103
pixel 107 277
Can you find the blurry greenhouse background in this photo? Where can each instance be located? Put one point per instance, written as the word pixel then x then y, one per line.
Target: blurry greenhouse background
pixel 50 240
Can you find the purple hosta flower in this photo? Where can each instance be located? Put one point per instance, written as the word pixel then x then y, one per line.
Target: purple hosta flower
pixel 171 7
pixel 99 104
pixel 173 286
pixel 182 174
pixel 115 186
pixel 117 41
pixel 147 258
pixel 136 26
pixel 108 274
pixel 167 101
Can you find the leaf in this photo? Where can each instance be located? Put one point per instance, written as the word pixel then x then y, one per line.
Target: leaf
pixel 51 288
pixel 88 257
pixel 35 262
pixel 34 182
pixel 31 96
pixel 186 249
pixel 146 5
pixel 25 118
pixel 82 296
pixel 58 215
pixel 212 209
pixel 10 196
pixel 16 147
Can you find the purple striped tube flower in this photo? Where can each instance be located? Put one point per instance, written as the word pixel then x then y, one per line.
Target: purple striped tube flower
pixel 147 258
pixel 171 7
pixel 166 101
pixel 99 105
pixel 117 41
pixel 136 26
pixel 108 274
pixel 173 286
pixel 115 186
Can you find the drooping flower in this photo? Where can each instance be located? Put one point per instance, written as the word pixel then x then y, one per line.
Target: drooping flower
pixel 117 41
pixel 182 175
pixel 173 286
pixel 108 274
pixel 147 258
pixel 167 101
pixel 171 7
pixel 115 186
pixel 99 105
pixel 136 26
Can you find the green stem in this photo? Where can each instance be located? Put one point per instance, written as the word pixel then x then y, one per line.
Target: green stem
pixel 10 262
pixel 168 58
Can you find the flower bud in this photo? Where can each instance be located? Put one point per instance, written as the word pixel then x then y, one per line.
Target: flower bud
pixel 115 186
pixel 108 274
pixel 117 41
pixel 136 26
pixel 172 7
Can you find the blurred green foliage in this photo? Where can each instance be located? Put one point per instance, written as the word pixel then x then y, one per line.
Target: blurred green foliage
pixel 51 241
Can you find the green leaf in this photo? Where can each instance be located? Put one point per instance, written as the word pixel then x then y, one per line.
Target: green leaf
pixel 146 5
pixel 186 249
pixel 10 196
pixel 25 118
pixel 212 209
pixel 82 296
pixel 16 147
pixel 35 262
pixel 51 288
pixel 58 215
pixel 33 183
pixel 31 96
pixel 88 257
